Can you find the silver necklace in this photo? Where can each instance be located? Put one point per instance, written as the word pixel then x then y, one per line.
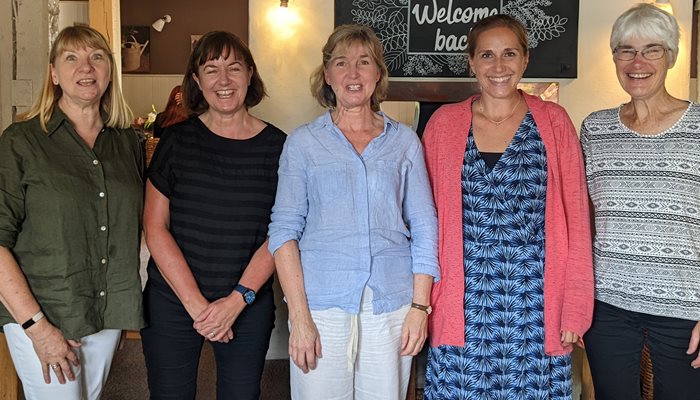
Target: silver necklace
pixel 498 123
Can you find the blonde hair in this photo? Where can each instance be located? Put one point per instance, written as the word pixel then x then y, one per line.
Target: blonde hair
pixel 112 102
pixel 344 36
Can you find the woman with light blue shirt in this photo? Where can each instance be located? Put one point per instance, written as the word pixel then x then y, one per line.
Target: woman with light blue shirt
pixel 354 233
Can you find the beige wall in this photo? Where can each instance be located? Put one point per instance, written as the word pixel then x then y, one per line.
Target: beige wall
pixel 597 86
pixel 286 62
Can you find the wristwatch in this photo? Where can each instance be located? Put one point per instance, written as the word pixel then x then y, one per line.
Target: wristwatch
pixel 31 321
pixel 248 294
pixel 426 309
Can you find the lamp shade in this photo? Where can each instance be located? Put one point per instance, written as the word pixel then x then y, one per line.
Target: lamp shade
pixel 664 5
pixel 159 24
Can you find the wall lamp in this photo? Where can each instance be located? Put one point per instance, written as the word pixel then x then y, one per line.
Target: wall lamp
pixel 664 5
pixel 160 22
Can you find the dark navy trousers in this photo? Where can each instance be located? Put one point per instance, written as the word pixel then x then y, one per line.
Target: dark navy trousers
pixel 614 345
pixel 172 348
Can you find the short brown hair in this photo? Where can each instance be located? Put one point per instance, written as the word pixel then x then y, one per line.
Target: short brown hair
pixel 345 35
pixel 497 21
pixel 212 46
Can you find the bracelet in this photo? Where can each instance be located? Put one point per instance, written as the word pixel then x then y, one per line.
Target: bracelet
pixel 36 318
pixel 426 309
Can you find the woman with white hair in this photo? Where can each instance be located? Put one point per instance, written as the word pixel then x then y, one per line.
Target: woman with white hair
pixel 643 173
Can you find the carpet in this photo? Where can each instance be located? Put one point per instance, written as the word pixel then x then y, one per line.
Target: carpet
pixel 127 378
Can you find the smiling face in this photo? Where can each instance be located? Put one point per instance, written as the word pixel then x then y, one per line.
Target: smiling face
pixel 498 62
pixel 83 75
pixel 353 75
pixel 224 83
pixel 639 77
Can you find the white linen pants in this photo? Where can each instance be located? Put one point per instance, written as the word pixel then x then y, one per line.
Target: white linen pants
pixel 95 354
pixel 361 357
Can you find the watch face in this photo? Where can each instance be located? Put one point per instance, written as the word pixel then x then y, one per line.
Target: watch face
pixel 249 296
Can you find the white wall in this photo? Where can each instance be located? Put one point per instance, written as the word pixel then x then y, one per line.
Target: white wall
pixel 285 63
pixel 72 12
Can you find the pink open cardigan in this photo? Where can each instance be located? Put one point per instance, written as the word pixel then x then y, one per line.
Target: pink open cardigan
pixel 568 270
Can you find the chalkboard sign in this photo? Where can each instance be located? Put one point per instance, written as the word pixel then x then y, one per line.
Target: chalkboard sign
pixel 428 38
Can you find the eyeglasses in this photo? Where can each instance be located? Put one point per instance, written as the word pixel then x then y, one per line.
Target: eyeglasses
pixel 650 53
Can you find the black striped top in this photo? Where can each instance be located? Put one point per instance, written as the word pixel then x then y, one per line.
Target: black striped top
pixel 221 193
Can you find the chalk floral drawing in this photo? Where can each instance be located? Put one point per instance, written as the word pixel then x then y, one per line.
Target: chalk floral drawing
pixel 389 19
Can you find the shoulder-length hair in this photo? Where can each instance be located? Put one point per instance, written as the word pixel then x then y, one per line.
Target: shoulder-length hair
pixel 212 46
pixel 342 37
pixel 113 103
pixel 174 109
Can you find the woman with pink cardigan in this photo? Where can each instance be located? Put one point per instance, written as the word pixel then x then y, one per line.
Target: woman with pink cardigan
pixel 514 239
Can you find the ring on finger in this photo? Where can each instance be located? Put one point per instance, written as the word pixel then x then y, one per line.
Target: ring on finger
pixel 212 333
pixel 54 366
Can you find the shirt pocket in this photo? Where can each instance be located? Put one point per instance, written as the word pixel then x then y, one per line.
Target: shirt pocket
pixel 331 195
pixel 386 196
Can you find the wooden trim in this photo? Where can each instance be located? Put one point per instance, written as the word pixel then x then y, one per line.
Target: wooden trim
pixel 104 16
pixel 10 388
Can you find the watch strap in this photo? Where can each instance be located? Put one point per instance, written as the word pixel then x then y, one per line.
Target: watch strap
pixel 34 319
pixel 242 289
pixel 247 293
pixel 425 309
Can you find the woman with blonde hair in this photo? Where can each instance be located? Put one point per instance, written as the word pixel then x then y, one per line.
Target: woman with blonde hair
pixel 71 194
pixel 353 233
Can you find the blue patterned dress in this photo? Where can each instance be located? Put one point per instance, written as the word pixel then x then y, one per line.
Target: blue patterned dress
pixel 503 230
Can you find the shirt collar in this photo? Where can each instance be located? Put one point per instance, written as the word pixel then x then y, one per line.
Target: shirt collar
pixel 58 117
pixel 326 120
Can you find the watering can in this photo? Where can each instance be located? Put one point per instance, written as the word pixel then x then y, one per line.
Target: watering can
pixel 131 51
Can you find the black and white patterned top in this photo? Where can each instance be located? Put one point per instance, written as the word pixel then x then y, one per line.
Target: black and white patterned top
pixel 645 191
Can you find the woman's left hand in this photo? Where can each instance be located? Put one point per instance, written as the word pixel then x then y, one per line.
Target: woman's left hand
pixel 215 322
pixel 414 333
pixel 693 345
pixel 571 338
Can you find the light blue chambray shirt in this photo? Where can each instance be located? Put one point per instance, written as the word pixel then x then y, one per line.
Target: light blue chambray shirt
pixel 359 219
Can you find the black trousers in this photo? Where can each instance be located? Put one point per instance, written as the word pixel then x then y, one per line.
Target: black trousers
pixel 614 345
pixel 172 348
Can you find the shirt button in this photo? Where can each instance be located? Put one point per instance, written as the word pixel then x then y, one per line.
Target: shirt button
pixel 102 293
pixel 103 261
pixel 95 162
pixel 103 228
pixel 102 194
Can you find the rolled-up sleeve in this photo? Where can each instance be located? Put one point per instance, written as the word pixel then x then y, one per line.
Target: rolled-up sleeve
pixel 291 202
pixel 12 210
pixel 420 215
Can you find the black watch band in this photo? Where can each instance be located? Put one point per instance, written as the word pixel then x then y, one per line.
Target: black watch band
pixel 248 294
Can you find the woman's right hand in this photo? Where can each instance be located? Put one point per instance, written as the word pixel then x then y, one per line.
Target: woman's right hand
pixel 304 343
pixel 54 351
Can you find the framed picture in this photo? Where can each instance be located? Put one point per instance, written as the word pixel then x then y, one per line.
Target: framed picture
pixel 193 41
pixel 136 49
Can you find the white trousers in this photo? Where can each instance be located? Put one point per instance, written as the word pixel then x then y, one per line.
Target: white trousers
pixel 95 355
pixel 361 359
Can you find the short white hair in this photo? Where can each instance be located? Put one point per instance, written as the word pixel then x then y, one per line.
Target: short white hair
pixel 648 22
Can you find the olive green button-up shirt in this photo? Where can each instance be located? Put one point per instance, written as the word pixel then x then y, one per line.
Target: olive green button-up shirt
pixel 71 216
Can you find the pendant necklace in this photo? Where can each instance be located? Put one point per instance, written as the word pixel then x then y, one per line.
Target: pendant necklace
pixel 498 123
